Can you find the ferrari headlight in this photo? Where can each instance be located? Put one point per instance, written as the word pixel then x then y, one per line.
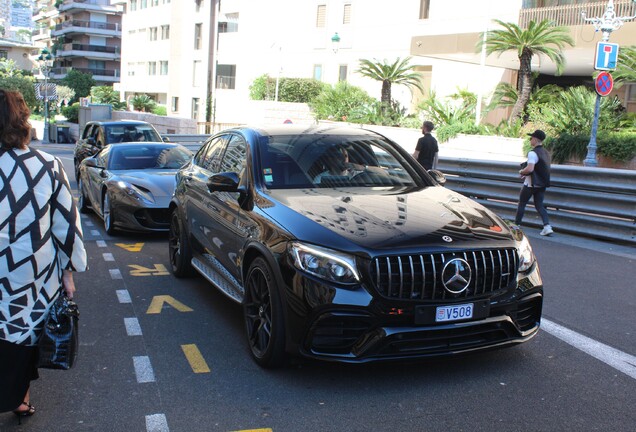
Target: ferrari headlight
pixel 135 192
pixel 526 256
pixel 325 263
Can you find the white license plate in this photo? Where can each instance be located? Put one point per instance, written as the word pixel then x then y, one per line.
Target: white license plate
pixel 454 313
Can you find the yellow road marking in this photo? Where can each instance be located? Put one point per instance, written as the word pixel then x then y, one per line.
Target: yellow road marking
pixel 134 247
pixel 157 304
pixel 196 360
pixel 256 430
pixel 157 270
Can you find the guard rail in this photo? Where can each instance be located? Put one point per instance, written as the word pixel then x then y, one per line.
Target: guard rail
pixel 591 202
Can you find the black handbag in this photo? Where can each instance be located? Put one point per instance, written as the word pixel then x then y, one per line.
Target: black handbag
pixel 59 340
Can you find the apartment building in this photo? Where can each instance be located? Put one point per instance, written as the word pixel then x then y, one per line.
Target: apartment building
pixel 186 53
pixel 84 35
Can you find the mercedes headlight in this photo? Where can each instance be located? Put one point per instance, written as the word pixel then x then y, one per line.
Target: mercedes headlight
pixel 526 256
pixel 325 263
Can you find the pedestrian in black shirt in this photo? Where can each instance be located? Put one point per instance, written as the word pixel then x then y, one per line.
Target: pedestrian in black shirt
pixel 426 149
pixel 536 175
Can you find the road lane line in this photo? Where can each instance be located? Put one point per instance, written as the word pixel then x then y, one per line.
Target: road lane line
pixel 88 223
pixel 95 232
pixel 196 360
pixel 157 423
pixel 108 257
pixel 115 274
pixel 143 369
pixel 123 296
pixel 619 360
pixel 101 243
pixel 132 326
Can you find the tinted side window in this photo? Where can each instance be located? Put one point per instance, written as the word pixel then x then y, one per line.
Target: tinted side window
pixel 209 156
pixel 234 158
pixel 88 131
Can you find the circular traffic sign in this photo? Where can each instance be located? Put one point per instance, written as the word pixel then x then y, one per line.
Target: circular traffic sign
pixel 604 83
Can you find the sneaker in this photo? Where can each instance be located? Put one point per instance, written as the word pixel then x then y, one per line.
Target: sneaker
pixel 547 230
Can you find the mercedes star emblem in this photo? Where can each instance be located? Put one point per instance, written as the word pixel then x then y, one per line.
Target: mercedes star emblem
pixel 456 275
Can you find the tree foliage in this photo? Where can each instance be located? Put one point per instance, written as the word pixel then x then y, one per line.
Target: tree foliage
pixel 142 102
pixel 301 90
pixel 24 85
pixel 340 101
pixel 626 67
pixel 107 95
pixel 400 72
pixel 80 82
pixel 539 38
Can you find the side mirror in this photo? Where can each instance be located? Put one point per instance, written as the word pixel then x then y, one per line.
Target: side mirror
pixel 92 162
pixel 90 141
pixel 224 182
pixel 438 176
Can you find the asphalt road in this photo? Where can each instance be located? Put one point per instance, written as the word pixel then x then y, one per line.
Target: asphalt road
pixel 160 354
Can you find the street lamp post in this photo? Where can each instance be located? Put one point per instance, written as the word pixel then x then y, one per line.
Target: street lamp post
pixel 606 24
pixel 45 61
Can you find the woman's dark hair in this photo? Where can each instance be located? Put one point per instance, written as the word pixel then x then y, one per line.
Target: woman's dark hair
pixel 15 129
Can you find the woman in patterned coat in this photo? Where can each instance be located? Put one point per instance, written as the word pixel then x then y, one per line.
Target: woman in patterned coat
pixel 40 245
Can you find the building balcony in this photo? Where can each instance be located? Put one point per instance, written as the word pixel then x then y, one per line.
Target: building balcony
pixel 99 75
pixel 93 52
pixel 87 27
pixel 41 34
pixel 570 15
pixel 72 6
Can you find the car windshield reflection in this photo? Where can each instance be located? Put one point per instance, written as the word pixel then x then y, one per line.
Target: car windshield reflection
pixel 148 157
pixel 130 133
pixel 326 161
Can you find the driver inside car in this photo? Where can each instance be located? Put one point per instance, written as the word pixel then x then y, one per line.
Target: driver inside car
pixel 335 162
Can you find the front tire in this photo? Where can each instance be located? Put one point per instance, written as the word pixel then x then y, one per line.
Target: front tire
pixel 109 215
pixel 179 248
pixel 82 202
pixel 263 312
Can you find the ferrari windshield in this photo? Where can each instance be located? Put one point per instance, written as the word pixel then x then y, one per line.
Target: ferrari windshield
pixel 323 161
pixel 147 156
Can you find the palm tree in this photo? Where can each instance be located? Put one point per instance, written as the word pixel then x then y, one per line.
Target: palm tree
pixel 399 72
pixel 539 38
pixel 626 67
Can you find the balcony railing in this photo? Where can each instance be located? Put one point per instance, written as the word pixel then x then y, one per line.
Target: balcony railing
pixel 91 48
pixel 87 25
pixel 569 15
pixel 95 72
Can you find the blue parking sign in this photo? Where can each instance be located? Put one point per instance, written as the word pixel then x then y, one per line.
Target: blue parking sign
pixel 606 56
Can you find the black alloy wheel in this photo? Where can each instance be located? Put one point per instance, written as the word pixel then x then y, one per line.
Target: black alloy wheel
pixel 179 248
pixel 263 313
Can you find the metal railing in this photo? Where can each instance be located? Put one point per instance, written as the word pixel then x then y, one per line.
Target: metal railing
pixel 591 202
pixel 568 15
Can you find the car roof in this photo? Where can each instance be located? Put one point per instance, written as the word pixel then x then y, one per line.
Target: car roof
pixel 118 122
pixel 292 129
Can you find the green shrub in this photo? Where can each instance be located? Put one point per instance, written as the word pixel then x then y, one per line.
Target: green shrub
pixel 302 90
pixel 25 86
pixel 620 146
pixel 71 112
pixel 142 102
pixel 445 132
pixel 340 101
pixel 160 110
pixel 378 113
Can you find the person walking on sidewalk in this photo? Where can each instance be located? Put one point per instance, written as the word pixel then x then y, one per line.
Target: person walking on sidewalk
pixel 426 149
pixel 536 175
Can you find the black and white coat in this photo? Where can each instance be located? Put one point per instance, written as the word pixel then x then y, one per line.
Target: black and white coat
pixel 40 235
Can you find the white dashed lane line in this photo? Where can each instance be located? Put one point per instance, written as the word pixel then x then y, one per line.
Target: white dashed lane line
pixel 619 360
pixel 108 257
pixel 143 369
pixel 115 274
pixel 156 423
pixel 123 296
pixel 132 327
pixel 101 243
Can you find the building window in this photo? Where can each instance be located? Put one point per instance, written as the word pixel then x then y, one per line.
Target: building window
pixel 175 104
pixel 163 67
pixel 144 4
pixel 198 28
pixel 131 69
pixel 424 7
pixel 346 14
pixel 342 73
pixel 133 5
pixel 631 96
pixel 196 73
pixel 155 2
pixel 198 5
pixel 195 108
pixel 231 25
pixel 226 76
pixel 152 68
pixel 321 16
pixel 152 33
pixel 318 72
pixel 4 54
pixel 165 32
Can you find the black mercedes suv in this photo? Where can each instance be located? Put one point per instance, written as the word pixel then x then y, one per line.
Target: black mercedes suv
pixel 341 247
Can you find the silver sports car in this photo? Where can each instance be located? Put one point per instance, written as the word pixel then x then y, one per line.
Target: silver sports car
pixel 130 185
